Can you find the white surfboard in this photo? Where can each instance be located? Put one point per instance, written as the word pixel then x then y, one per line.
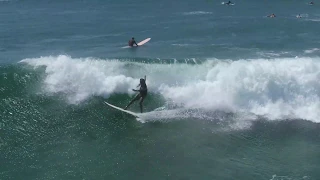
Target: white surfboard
pixel 144 41
pixel 126 111
pixel 231 4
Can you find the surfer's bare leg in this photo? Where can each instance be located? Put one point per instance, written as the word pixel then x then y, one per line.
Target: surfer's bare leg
pixel 133 100
pixel 140 103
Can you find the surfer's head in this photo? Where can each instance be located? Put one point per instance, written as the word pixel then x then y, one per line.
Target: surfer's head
pixel 132 38
pixel 142 81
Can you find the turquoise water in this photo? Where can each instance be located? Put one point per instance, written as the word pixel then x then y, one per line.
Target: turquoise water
pixel 232 94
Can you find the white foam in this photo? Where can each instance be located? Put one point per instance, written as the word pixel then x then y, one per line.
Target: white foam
pixel 197 13
pixel 309 51
pixel 182 45
pixel 271 54
pixel 82 78
pixel 314 20
pixel 276 89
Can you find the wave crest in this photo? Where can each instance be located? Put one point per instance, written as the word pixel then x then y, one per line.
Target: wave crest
pixel 277 89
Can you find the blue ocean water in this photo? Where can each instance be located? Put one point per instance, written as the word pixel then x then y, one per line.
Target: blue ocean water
pixel 232 94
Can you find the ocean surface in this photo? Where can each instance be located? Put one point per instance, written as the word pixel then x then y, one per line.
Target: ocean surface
pixel 232 94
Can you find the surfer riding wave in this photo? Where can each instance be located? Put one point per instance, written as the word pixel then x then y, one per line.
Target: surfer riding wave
pixel 143 91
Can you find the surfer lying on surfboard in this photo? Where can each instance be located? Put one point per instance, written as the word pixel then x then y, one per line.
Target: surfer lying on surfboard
pixel 271 15
pixel 229 3
pixel 143 91
pixel 132 42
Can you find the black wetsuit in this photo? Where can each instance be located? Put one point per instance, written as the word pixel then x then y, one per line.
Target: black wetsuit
pixel 132 42
pixel 143 90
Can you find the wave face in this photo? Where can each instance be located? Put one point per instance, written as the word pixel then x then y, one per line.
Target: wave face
pixel 286 88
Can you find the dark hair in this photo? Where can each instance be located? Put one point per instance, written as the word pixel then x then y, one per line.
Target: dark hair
pixel 132 37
